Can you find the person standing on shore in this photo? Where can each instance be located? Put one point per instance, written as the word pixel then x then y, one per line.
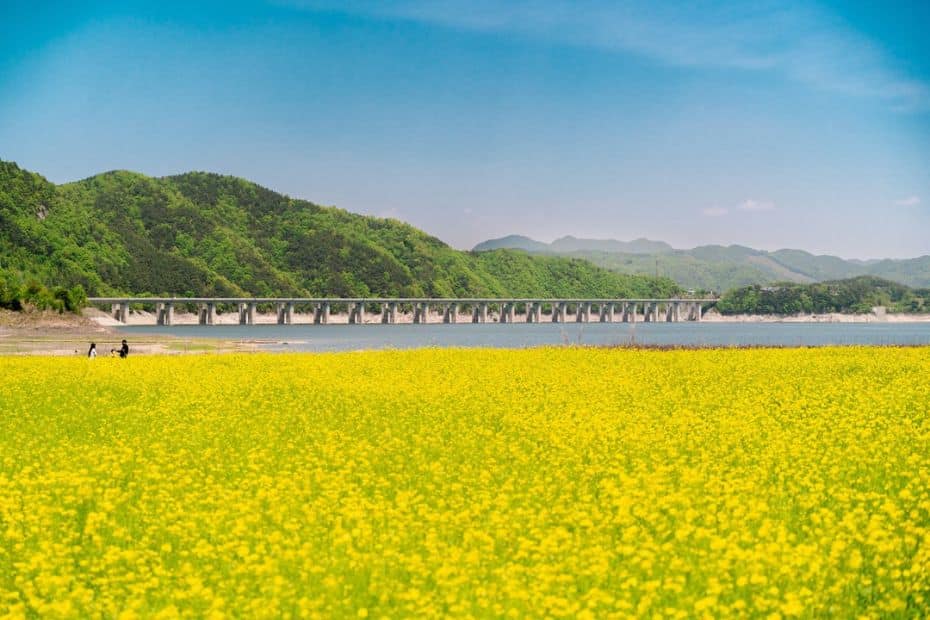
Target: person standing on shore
pixel 92 352
pixel 124 350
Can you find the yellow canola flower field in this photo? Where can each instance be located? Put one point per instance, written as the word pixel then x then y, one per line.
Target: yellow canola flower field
pixel 555 482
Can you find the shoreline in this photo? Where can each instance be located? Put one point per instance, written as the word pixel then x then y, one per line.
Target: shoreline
pixel 50 333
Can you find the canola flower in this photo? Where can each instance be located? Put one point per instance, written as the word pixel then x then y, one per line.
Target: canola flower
pixel 558 482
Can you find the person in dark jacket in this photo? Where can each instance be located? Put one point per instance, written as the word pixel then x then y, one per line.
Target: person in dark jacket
pixel 124 350
pixel 92 352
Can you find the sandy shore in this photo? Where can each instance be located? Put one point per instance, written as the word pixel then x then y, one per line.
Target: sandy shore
pixel 833 317
pixel 50 333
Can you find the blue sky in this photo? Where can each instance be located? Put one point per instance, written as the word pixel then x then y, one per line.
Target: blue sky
pixel 774 125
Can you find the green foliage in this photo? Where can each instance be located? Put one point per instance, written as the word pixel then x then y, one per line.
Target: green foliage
pixel 17 293
pixel 211 235
pixel 852 296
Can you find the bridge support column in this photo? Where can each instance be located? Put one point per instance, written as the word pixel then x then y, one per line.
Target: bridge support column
pixel 450 313
pixel 676 311
pixel 207 313
pixel 480 313
pixel 357 313
pixel 250 312
pixel 583 312
pixel 697 311
pixel 558 312
pixel 629 313
pixel 420 313
pixel 282 312
pixel 321 313
pixel 507 312
pixel 165 314
pixel 243 313
pixel 160 313
pixel 122 313
pixel 533 312
pixel 607 313
pixel 389 312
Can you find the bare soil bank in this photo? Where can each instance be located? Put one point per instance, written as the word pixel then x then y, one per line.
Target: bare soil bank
pixel 51 333
pixel 831 317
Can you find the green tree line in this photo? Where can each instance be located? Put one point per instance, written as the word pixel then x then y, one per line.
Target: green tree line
pixel 850 296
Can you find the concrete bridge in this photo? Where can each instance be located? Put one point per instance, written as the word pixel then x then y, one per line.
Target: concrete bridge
pixel 479 310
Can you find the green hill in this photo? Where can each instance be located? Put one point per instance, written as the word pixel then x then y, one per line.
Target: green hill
pixel 851 296
pixel 719 268
pixel 206 234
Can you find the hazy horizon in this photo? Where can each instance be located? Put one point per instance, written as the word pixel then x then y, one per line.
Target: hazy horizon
pixel 773 125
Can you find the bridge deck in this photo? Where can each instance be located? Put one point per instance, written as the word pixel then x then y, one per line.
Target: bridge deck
pixel 402 300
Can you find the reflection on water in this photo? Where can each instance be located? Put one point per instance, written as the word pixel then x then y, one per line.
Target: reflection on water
pixel 519 335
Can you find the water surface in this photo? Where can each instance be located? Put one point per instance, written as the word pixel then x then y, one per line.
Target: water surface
pixel 521 335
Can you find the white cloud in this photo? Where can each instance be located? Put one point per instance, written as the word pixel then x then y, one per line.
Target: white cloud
pixel 755 205
pixel 910 201
pixel 714 212
pixel 793 38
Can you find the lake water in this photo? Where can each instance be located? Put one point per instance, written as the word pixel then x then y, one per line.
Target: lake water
pixel 520 335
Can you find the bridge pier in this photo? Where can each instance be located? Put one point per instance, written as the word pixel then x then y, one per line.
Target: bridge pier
pixel 480 313
pixel 389 312
pixel 533 312
pixel 421 313
pixel 558 312
pixel 357 313
pixel 629 313
pixel 243 313
pixel 285 312
pixel 508 312
pixel 120 311
pixel 696 312
pixel 650 312
pixel 450 313
pixel 583 312
pixel 164 313
pixel 321 313
pixel 606 313
pixel 207 313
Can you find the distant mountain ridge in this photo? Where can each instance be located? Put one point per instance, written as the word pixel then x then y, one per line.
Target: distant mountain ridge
pixel 717 267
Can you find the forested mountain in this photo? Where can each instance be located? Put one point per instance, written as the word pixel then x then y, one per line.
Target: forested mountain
pixel 719 268
pixel 206 234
